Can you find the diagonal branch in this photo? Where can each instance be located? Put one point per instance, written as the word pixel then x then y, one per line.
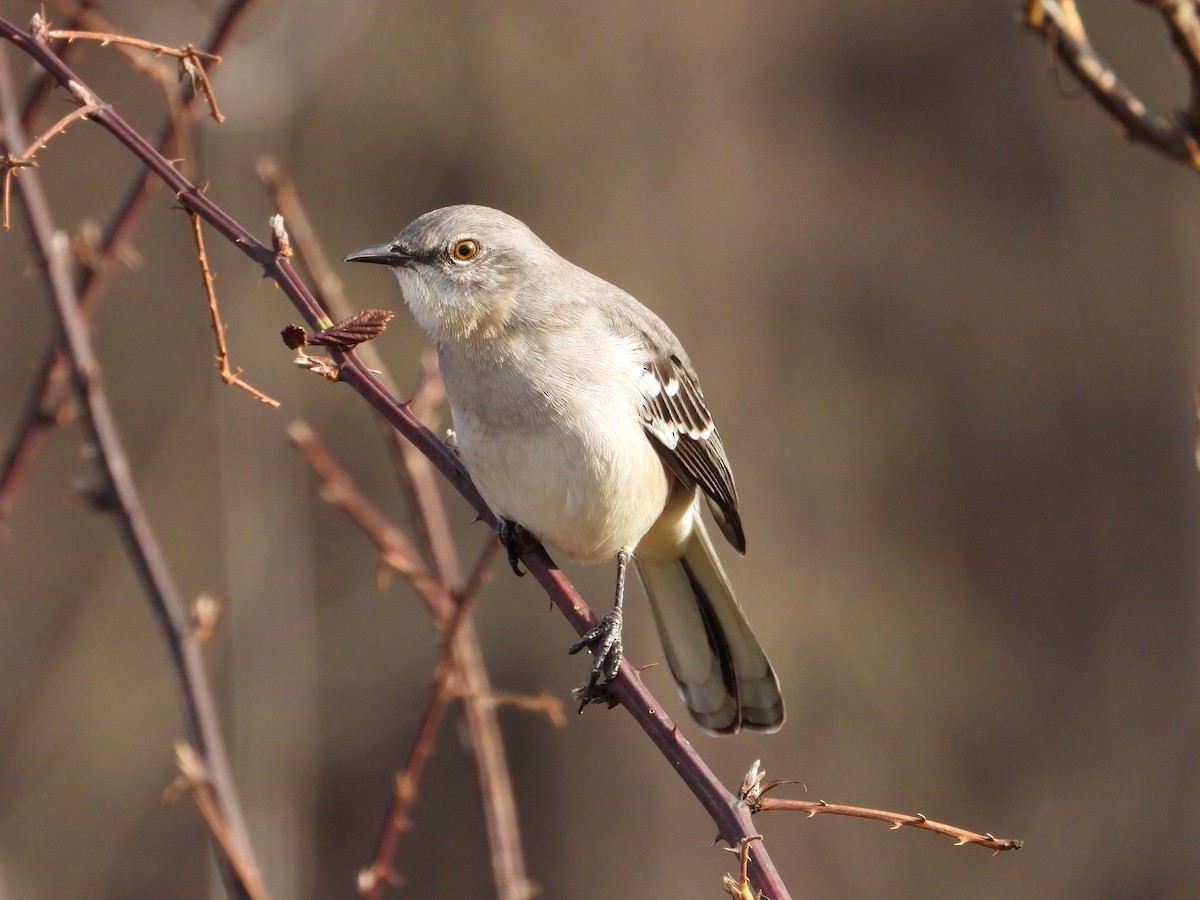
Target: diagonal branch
pixel 141 544
pixel 731 817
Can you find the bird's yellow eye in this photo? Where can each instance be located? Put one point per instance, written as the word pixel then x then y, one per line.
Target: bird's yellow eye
pixel 464 250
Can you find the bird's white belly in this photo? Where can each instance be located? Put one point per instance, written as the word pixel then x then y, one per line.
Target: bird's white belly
pixel 588 491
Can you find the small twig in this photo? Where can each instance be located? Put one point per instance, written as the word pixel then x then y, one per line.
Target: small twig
pixel 545 704
pixel 11 163
pixel 753 789
pixel 740 888
pixel 193 778
pixel 106 38
pixel 1059 24
pixel 228 375
pixel 191 60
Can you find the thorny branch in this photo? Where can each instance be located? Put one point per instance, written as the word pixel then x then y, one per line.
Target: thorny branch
pixel 45 407
pixel 1058 23
pixel 191 60
pixel 754 788
pixel 371 880
pixel 24 160
pixel 228 375
pixel 141 543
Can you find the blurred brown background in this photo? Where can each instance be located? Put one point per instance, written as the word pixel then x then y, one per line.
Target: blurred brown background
pixel 945 318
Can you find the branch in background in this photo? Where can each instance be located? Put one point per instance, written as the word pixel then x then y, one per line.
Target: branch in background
pixel 472 684
pixel 731 817
pixel 41 86
pixel 44 406
pixel 1059 24
pixel 753 789
pixel 373 880
pixel 193 778
pixel 146 556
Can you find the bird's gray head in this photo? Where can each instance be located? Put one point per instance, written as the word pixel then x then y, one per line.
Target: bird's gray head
pixel 460 268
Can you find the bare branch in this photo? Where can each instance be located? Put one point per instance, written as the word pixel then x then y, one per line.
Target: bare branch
pixel 753 789
pixel 228 375
pixel 1059 24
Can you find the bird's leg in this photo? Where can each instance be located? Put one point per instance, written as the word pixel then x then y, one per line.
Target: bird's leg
pixel 605 643
pixel 517 541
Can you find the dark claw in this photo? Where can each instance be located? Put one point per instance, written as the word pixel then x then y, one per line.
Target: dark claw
pixel 516 540
pixel 605 643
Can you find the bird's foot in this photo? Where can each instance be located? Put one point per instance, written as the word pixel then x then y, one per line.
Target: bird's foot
pixel 517 541
pixel 605 643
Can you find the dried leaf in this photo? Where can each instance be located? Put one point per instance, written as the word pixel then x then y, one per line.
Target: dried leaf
pixel 349 333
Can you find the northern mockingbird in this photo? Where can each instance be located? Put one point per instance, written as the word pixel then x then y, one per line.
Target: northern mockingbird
pixel 581 420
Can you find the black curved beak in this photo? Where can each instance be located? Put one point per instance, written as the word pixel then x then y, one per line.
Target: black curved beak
pixel 383 254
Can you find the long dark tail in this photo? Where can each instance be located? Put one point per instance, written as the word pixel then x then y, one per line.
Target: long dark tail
pixel 720 669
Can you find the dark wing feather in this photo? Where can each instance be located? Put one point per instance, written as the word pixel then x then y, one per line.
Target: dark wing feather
pixel 675 417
